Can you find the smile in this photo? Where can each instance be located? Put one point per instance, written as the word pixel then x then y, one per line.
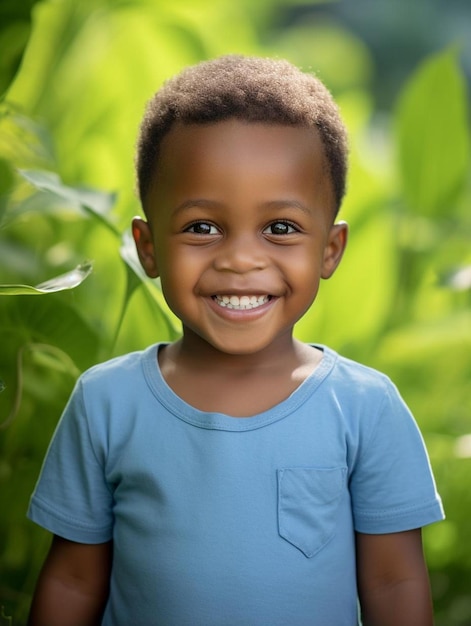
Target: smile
pixel 241 303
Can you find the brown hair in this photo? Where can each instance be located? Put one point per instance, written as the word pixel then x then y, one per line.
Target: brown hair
pixel 252 89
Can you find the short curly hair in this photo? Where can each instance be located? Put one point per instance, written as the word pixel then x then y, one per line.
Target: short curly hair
pixel 251 89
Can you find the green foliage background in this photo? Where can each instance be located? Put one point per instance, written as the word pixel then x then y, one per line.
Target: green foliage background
pixel 75 77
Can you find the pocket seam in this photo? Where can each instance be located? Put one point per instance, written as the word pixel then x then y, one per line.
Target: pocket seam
pixel 325 535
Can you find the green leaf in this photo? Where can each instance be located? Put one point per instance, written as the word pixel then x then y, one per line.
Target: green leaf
pixel 15 28
pixel 95 203
pixel 24 140
pixel 6 184
pixel 53 321
pixel 433 135
pixel 65 281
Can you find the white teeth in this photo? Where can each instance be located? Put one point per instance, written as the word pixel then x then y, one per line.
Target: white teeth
pixel 241 303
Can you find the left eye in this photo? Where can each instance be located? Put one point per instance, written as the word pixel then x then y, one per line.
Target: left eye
pixel 280 228
pixel 202 228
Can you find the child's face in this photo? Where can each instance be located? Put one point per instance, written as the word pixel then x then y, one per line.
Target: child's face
pixel 240 231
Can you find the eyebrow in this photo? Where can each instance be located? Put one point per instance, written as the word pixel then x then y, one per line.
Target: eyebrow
pixel 213 204
pixel 286 204
pixel 195 202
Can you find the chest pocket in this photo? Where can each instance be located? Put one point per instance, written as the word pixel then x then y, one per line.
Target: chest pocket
pixel 308 502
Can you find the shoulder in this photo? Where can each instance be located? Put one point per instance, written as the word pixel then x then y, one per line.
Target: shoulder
pixel 114 383
pixel 106 398
pixel 122 370
pixel 365 398
pixel 357 378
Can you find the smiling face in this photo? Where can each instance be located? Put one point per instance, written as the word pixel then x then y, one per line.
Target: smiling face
pixel 240 231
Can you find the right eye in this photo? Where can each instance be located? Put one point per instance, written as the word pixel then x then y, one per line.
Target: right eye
pixel 202 228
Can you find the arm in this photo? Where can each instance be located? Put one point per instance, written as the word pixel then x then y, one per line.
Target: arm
pixel 72 588
pixel 393 584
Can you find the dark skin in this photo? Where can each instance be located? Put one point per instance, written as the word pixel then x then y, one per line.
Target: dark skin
pixel 237 388
pixel 73 586
pixel 393 583
pixel 244 210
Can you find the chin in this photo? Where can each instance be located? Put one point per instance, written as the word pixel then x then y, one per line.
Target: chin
pixel 238 348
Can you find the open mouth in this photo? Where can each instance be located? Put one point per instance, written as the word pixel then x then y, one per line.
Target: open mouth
pixel 241 303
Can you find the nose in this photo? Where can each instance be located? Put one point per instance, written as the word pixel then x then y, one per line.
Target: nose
pixel 240 254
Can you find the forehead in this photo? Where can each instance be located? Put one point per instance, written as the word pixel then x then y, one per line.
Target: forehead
pixel 222 156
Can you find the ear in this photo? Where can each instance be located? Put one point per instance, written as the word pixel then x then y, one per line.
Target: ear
pixel 144 241
pixel 334 249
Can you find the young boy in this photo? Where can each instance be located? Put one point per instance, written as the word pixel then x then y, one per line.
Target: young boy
pixel 237 477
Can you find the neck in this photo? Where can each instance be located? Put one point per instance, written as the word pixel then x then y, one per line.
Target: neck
pixel 193 351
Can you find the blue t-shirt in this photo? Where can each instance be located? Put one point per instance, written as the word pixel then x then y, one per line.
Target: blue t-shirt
pixel 223 521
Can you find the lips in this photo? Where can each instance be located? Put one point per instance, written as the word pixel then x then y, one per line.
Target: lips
pixel 241 303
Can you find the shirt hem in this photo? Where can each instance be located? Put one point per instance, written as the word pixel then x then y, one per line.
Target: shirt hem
pixel 386 522
pixel 62 527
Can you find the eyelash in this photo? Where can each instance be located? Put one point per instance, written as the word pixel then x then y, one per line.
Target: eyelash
pixel 191 227
pixel 294 229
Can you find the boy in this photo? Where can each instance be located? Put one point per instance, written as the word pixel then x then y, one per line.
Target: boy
pixel 237 476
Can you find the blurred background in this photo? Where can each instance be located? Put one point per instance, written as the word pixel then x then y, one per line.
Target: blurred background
pixel 74 80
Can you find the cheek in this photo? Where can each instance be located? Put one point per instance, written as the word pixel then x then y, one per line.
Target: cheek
pixel 306 276
pixel 178 275
pixel 183 261
pixel 305 264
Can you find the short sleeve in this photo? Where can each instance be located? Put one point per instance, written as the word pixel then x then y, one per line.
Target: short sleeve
pixel 392 484
pixel 72 498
